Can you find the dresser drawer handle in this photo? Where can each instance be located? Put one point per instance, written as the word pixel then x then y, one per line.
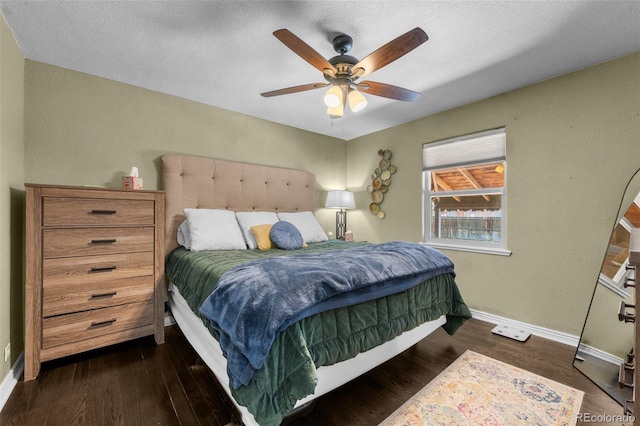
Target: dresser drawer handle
pixel 109 241
pixel 102 323
pixel 103 269
pixel 103 212
pixel 109 294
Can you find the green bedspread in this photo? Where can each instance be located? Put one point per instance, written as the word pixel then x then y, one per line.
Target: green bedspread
pixel 289 372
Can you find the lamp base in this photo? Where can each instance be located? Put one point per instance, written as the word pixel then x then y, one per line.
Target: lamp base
pixel 341 224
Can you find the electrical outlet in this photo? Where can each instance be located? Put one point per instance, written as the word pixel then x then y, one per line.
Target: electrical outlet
pixel 7 352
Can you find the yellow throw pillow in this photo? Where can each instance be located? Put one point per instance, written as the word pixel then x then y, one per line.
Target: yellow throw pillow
pixel 261 234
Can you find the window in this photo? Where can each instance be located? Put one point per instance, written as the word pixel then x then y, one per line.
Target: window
pixel 464 204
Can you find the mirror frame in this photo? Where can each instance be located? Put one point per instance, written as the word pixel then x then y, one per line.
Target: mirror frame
pixel 619 393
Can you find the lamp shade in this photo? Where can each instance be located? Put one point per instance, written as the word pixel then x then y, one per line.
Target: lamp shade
pixel 335 112
pixel 340 200
pixel 333 98
pixel 357 102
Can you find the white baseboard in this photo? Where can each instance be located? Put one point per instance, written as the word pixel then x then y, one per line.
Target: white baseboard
pixel 556 336
pixel 597 353
pixel 11 380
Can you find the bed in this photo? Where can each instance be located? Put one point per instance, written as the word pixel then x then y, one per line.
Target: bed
pixel 315 352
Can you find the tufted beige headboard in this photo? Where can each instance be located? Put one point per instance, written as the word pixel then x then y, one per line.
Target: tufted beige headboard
pixel 198 182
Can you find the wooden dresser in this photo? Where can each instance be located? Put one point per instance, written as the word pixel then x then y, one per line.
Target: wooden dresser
pixel 94 270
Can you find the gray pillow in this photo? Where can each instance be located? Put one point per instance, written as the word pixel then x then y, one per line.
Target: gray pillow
pixel 286 236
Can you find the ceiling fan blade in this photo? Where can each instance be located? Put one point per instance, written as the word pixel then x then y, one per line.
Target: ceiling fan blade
pixel 391 51
pixel 294 89
pixel 303 50
pixel 387 91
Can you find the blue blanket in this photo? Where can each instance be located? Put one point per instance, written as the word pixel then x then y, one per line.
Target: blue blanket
pixel 252 303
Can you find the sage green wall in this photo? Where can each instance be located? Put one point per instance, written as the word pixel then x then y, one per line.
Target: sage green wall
pixel 573 143
pixel 81 129
pixel 11 196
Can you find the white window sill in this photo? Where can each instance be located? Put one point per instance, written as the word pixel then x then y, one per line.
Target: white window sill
pixel 472 249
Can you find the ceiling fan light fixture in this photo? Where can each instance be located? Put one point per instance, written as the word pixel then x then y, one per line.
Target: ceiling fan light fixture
pixel 336 112
pixel 333 97
pixel 357 102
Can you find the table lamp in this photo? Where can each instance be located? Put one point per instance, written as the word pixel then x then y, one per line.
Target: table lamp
pixel 340 200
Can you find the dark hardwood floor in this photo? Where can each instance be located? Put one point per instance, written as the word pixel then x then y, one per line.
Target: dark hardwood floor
pixel 139 383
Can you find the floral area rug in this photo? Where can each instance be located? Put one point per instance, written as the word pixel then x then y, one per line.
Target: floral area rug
pixel 476 390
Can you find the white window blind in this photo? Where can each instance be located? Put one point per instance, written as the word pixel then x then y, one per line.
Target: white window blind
pixel 480 147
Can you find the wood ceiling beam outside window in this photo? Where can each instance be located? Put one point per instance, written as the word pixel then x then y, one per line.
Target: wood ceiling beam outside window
pixel 476 177
pixel 472 180
pixel 437 182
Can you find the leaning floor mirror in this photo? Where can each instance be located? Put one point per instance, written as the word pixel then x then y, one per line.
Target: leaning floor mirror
pixel 607 337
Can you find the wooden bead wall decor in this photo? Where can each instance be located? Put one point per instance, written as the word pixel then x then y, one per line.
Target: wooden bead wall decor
pixel 380 181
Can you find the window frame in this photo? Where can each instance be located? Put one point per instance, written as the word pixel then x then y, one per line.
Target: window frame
pixel 491 156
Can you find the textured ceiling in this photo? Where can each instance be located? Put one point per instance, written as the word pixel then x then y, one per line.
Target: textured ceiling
pixel 223 53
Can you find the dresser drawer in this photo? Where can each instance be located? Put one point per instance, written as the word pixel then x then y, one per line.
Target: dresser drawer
pixel 58 300
pixel 96 241
pixel 65 329
pixel 60 211
pixel 63 299
pixel 73 271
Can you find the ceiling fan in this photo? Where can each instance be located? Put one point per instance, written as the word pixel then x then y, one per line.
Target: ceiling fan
pixel 342 71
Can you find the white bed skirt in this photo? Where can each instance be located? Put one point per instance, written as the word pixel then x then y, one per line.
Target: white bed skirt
pixel 329 377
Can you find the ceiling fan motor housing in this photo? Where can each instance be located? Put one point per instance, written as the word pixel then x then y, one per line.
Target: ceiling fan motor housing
pixel 343 59
pixel 343 63
pixel 343 71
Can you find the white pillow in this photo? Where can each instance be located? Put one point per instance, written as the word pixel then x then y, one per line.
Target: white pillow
pixel 249 219
pixel 213 230
pixel 184 238
pixel 307 224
